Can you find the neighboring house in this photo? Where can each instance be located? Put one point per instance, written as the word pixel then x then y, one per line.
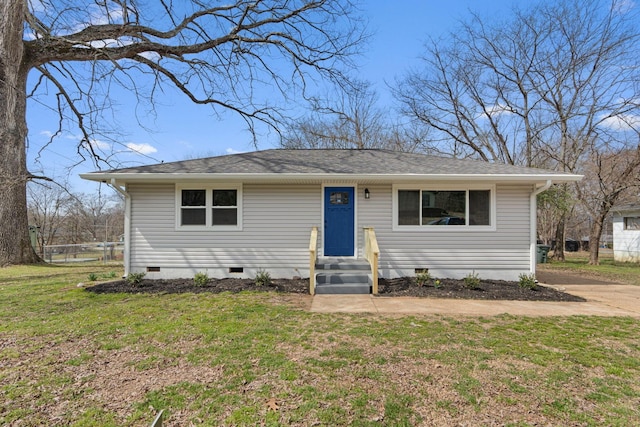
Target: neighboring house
pixel 626 233
pixel 236 214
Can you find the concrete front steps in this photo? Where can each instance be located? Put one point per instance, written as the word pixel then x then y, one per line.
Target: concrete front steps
pixel 343 276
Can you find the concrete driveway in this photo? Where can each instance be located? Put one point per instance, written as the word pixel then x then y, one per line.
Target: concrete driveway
pixel 603 299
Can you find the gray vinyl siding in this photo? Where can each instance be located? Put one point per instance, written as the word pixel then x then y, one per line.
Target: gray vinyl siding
pixel 504 252
pixel 277 221
pixel 276 226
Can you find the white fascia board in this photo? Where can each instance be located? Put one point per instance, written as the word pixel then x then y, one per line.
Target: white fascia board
pixel 626 211
pixel 269 177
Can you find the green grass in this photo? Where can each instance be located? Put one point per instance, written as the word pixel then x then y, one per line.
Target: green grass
pixel 627 273
pixel 71 357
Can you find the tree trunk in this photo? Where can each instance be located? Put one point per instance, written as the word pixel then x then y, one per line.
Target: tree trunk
pixel 594 239
pixel 15 244
pixel 558 252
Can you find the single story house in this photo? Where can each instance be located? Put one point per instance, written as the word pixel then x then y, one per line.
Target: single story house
pixel 626 233
pixel 237 214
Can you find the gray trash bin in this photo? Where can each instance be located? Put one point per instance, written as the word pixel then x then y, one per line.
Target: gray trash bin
pixel 542 253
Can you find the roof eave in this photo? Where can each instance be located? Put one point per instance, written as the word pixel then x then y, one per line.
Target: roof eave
pixel 274 177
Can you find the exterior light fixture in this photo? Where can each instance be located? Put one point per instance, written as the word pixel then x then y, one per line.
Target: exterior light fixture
pixel 367 194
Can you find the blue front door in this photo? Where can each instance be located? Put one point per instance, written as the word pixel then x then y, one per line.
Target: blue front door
pixel 338 221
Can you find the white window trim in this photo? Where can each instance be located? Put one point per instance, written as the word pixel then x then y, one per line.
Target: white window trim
pixel 446 228
pixel 208 206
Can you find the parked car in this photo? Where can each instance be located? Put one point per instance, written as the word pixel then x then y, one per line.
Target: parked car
pixel 570 245
pixel 434 212
pixel 448 220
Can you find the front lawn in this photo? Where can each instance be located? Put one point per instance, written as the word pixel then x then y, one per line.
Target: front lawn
pixel 72 357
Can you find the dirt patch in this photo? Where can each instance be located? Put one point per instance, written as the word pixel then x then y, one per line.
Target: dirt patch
pixel 404 286
pixel 566 278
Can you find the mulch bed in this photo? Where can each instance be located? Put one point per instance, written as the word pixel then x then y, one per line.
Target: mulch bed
pixel 404 286
pixel 215 286
pixel 487 290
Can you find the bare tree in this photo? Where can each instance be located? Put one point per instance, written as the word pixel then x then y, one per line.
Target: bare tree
pixel 609 175
pixel 352 121
pixel 474 91
pixel 216 54
pixel 545 79
pixel 95 217
pixel 64 217
pixel 48 206
pixel 552 204
pixel 536 89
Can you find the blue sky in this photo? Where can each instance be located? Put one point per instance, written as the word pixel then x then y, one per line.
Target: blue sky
pixel 183 130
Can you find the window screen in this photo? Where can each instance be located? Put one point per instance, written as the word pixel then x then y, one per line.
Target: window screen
pixel 193 211
pixel 479 207
pixel 225 207
pixel 409 207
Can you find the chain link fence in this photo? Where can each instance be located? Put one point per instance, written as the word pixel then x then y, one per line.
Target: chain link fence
pixel 84 252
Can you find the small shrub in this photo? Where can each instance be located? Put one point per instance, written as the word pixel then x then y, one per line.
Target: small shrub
pixel 437 284
pixel 472 281
pixel 423 278
pixel 263 278
pixel 93 277
pixel 135 278
pixel 200 279
pixel 111 275
pixel 527 281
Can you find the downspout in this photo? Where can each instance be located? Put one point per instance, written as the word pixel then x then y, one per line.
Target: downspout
pixel 533 222
pixel 127 223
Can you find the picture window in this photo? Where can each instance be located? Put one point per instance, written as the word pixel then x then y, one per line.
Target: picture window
pixel 448 207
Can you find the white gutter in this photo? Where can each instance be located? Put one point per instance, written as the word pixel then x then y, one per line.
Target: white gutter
pixel 127 223
pixel 533 222
pixel 322 177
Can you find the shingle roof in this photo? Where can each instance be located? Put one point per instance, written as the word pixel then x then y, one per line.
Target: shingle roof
pixel 338 162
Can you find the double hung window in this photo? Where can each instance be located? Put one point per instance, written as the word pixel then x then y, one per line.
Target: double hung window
pixel 209 207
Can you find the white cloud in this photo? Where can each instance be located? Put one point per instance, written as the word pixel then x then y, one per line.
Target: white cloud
pixel 143 148
pixel 30 35
pixel 101 145
pixel 101 44
pixel 623 6
pixel 95 144
pixel 99 17
pixel 622 122
pixel 233 151
pixel 105 43
pixel 495 111
pixel 151 56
